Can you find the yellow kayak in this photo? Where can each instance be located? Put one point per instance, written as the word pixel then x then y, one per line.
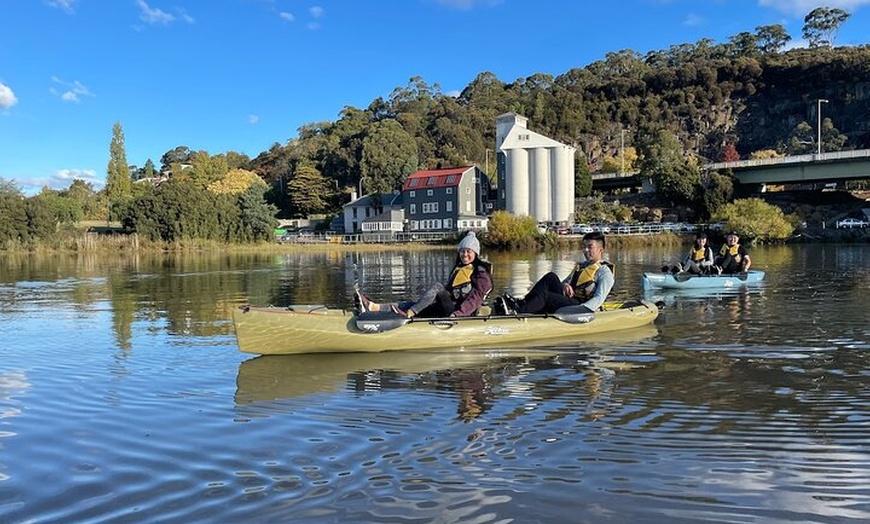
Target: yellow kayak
pixel 318 329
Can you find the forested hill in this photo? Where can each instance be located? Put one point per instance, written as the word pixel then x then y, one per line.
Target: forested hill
pixel 713 97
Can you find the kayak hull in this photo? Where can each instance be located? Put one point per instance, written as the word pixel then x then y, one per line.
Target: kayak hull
pixel 319 329
pixel 652 280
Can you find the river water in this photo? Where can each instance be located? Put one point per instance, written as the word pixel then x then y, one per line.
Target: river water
pixel 124 398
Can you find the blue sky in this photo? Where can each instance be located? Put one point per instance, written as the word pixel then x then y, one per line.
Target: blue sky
pixel 241 75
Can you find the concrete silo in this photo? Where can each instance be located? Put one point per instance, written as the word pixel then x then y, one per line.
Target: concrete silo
pixel 535 173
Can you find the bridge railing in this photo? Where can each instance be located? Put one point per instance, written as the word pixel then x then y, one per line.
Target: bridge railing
pixel 794 159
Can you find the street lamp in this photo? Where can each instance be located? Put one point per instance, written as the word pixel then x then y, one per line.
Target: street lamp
pixel 819 103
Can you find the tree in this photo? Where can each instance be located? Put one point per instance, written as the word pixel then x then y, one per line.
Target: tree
pixel 822 24
pixel 148 170
pixel 802 140
pixel 309 191
pixel 179 155
pixel 771 38
pixel 832 139
pixel 119 185
pixel 257 216
pixel 715 191
pixel 389 156
pixel 674 177
pixel 582 176
pixel 236 182
pixel 729 153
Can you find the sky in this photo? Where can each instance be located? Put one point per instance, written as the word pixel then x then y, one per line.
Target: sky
pixel 242 75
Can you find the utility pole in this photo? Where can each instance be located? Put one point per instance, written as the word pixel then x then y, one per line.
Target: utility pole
pixel 819 103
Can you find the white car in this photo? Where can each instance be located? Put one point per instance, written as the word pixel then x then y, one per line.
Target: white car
pixel 581 229
pixel 852 222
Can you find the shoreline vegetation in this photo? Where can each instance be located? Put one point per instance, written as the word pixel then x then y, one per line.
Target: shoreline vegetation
pixel 106 239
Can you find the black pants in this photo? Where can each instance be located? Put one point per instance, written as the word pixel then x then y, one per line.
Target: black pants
pixel 546 296
pixel 729 264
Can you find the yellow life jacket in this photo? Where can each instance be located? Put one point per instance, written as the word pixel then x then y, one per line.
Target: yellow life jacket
pixel 697 255
pixel 460 281
pixel 583 278
pixel 733 251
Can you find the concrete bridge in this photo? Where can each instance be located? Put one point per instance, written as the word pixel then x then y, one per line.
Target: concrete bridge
pixel 800 169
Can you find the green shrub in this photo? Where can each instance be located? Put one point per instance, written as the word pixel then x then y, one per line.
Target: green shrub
pixel 507 231
pixel 755 220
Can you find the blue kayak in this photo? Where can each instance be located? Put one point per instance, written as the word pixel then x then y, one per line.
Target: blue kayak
pixel 663 280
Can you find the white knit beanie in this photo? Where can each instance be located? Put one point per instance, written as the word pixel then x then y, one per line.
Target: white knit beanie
pixel 470 242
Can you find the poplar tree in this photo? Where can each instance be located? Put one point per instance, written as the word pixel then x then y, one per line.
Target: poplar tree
pixel 119 185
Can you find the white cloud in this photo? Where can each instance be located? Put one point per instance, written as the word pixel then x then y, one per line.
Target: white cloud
pixel 693 20
pixel 66 5
pixel 62 178
pixel 70 91
pixel 801 8
pixel 313 25
pixel 287 16
pixel 153 16
pixel 316 11
pixel 7 97
pixel 253 119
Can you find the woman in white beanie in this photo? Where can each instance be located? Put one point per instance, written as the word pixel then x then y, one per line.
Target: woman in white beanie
pixel 463 294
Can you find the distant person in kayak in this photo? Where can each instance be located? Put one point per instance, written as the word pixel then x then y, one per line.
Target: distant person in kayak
pixel 699 259
pixel 732 257
pixel 463 294
pixel 588 284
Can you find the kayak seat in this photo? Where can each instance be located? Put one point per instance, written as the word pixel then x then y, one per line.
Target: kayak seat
pixel 574 314
pixel 379 321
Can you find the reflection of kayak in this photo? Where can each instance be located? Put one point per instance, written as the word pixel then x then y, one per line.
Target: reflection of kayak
pixel 318 329
pixel 688 281
pixel 273 377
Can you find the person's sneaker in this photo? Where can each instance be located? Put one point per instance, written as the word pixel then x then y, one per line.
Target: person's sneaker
pixel 363 303
pixel 510 304
pixel 498 307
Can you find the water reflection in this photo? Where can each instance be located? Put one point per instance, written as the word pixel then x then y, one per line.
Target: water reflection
pixel 743 407
pixel 263 382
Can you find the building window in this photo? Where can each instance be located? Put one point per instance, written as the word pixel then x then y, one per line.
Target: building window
pixel 448 223
pixel 414 182
pixel 430 207
pixel 412 194
pixel 354 212
pixel 449 190
pixel 430 192
pixel 413 209
pixel 451 179
pixel 467 190
pixel 449 207
pixel 432 180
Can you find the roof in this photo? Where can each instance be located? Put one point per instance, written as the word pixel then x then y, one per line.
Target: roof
pixel 390 200
pixel 435 178
pixel 393 215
